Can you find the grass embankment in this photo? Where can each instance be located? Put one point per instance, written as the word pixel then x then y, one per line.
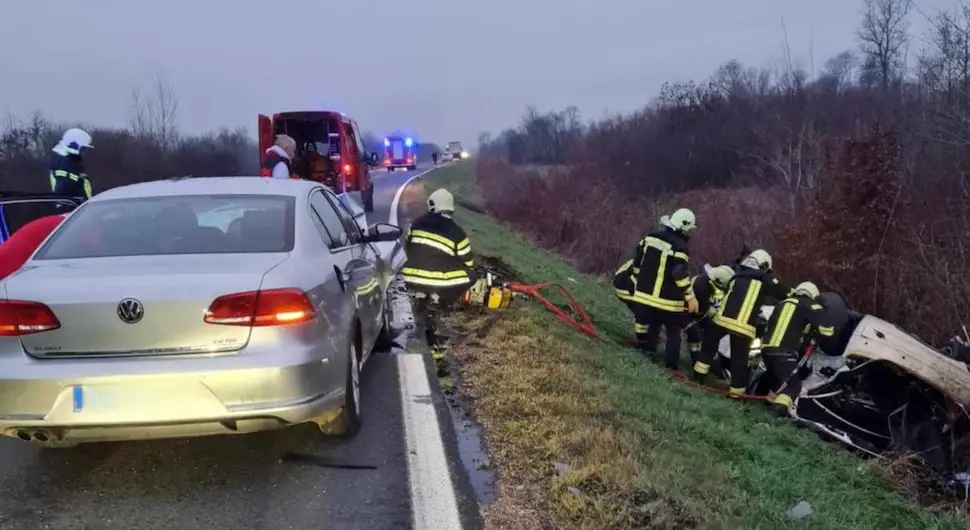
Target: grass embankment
pixel 589 435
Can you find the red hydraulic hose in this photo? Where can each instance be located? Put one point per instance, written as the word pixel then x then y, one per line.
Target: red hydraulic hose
pixel 585 326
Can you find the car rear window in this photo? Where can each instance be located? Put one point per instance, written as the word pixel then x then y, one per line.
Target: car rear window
pixel 185 224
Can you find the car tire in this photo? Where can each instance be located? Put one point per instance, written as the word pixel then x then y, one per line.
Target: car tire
pixel 412 168
pixel 348 422
pixel 368 197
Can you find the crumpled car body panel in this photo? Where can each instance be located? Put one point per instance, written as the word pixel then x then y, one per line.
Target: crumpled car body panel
pixel 878 340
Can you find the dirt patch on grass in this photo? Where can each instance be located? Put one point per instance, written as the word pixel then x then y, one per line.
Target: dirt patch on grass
pixel 560 462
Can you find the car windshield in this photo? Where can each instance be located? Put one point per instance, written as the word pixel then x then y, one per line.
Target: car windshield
pixel 193 224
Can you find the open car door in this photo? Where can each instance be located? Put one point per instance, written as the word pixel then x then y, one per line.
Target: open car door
pixel 266 137
pixel 17 209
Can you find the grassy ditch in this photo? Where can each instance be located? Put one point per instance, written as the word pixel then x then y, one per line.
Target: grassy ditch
pixel 589 435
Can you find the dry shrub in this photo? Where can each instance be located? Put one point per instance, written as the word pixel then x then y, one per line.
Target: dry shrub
pixel 581 217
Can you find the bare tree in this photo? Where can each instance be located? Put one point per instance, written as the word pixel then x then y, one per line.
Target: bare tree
pixel 154 115
pixel 839 69
pixel 882 38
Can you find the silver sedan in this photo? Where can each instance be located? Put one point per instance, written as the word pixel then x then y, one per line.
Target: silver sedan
pixel 192 307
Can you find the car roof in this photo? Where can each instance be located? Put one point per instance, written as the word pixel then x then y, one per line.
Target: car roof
pixel 210 186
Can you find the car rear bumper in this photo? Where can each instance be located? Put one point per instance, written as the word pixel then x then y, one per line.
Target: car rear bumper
pixel 125 406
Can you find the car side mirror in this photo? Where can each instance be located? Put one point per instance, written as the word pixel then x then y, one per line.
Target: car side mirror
pixel 373 158
pixel 382 232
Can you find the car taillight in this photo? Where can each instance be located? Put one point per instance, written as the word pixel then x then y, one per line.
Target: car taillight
pixel 271 307
pixel 18 317
pixel 409 160
pixel 347 168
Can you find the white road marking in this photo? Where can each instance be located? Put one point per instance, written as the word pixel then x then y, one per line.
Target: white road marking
pixel 392 218
pixel 433 502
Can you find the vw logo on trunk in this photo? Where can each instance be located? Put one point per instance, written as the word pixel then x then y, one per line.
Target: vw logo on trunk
pixel 130 311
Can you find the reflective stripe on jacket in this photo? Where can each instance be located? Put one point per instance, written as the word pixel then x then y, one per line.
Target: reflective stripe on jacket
pixel 67 176
pixel 792 320
pixel 662 280
pixel 438 253
pixel 747 291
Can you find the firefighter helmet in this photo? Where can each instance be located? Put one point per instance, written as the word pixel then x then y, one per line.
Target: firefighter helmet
pixel 682 220
pixel 74 140
pixel 440 201
pixel 721 276
pixel 759 259
pixel 807 289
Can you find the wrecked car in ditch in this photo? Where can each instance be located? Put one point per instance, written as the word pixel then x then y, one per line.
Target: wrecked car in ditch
pixel 877 388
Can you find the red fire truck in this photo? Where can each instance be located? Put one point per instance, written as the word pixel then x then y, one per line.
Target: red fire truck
pixel 400 152
pixel 329 149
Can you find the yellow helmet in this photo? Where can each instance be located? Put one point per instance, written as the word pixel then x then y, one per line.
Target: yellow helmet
pixel 682 220
pixel 806 289
pixel 441 200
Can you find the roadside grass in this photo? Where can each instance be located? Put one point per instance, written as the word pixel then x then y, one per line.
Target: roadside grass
pixel 592 436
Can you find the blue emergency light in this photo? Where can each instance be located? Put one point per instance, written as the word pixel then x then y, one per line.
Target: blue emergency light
pixel 387 143
pixel 408 141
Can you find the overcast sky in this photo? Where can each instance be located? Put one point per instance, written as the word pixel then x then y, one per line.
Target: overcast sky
pixel 446 69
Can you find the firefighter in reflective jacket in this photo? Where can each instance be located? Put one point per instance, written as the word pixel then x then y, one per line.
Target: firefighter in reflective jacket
pixel 439 259
pixel 709 288
pixel 752 283
pixel 67 174
pixel 662 290
pixel 624 283
pixel 794 321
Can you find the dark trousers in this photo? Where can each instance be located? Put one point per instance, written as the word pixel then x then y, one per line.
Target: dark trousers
pixel 782 365
pixel 649 322
pixel 447 296
pixel 740 352
pixel 695 336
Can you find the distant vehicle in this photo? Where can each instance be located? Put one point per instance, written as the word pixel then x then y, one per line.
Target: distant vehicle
pixel 456 151
pixel 187 307
pixel 400 152
pixel 329 150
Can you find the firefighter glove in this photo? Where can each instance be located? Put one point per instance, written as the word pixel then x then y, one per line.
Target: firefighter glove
pixel 692 305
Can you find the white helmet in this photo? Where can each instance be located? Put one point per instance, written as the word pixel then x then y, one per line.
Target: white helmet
pixel 759 259
pixel 440 201
pixel 682 220
pixel 74 140
pixel 721 276
pixel 807 289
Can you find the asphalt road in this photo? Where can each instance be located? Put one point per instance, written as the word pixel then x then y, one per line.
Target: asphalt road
pixel 236 482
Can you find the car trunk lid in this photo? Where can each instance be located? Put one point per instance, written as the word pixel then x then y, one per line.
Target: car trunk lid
pixel 96 301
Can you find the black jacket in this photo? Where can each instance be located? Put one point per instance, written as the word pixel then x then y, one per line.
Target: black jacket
pixel 438 253
pixel 660 264
pixel 67 176
pixel 747 292
pixel 792 321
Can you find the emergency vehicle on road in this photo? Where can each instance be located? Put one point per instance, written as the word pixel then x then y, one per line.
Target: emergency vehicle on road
pixel 329 150
pixel 400 152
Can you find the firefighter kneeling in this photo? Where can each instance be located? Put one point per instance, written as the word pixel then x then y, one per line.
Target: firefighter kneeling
pixel 736 317
pixel 794 321
pixel 439 266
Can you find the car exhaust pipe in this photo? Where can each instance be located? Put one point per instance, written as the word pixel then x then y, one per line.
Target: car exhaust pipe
pixel 23 435
pixel 42 436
